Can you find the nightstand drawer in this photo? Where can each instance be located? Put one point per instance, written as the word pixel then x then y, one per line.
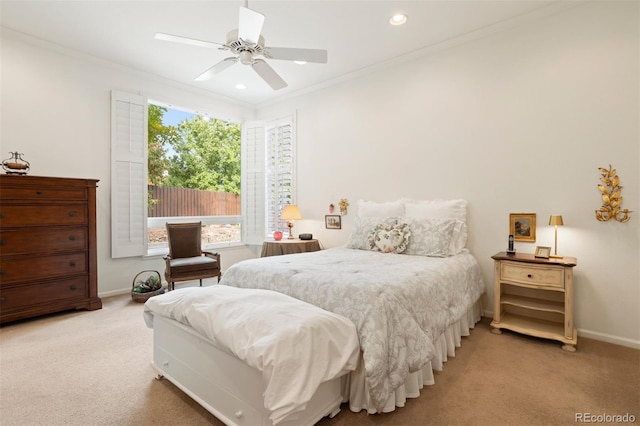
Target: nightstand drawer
pixel 532 274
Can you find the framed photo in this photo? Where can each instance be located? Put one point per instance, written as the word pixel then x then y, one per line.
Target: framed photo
pixel 523 226
pixel 543 252
pixel 333 221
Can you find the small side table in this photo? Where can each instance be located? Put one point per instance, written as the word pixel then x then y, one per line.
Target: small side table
pixel 534 296
pixel 286 246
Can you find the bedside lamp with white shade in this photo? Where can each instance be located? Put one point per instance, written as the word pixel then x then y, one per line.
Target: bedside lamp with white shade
pixel 556 220
pixel 290 212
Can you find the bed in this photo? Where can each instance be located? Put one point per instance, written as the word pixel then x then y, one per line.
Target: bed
pixel 404 280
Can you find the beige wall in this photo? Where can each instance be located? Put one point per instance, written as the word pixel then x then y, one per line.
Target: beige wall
pixel 56 110
pixel 517 121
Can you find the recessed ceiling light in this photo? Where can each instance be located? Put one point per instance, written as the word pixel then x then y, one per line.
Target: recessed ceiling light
pixel 240 86
pixel 398 19
pixel 300 62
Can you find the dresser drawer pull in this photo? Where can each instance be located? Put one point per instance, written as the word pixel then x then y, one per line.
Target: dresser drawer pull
pixel 72 264
pixel 1 272
pixel 73 288
pixel 2 299
pixel 1 215
pixel 72 214
pixel 529 276
pixel 72 237
pixel 39 192
pixel 1 242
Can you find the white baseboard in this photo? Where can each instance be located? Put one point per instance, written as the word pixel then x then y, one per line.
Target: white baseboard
pixel 114 292
pixel 589 334
pixel 603 337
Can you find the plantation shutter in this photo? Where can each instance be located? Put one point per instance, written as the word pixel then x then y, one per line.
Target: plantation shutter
pixel 129 115
pixel 253 186
pixel 281 167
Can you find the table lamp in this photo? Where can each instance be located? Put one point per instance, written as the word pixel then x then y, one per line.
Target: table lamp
pixel 290 212
pixel 556 220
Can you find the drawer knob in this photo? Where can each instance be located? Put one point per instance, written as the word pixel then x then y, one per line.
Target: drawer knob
pixel 2 299
pixel 73 287
pixel 238 414
pixel 39 192
pixel 72 237
pixel 1 242
pixel 529 275
pixel 1 272
pixel 72 214
pixel 1 215
pixel 72 264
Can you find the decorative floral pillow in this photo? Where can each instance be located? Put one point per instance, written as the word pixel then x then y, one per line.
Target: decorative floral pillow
pixel 390 238
pixel 362 226
pixel 430 237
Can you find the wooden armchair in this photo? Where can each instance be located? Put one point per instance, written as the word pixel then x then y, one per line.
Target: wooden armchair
pixel 186 260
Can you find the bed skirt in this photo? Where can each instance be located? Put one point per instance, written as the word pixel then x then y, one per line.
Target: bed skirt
pixel 354 388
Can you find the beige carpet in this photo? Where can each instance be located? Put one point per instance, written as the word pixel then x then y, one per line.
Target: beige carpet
pixel 93 368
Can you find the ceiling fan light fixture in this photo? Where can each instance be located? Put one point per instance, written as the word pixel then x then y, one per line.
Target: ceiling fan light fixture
pixel 300 62
pixel 246 57
pixel 398 19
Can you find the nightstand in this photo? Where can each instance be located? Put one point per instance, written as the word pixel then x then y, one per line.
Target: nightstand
pixel 286 246
pixel 534 296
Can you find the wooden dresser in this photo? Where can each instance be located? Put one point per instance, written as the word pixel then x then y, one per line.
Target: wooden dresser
pixel 48 260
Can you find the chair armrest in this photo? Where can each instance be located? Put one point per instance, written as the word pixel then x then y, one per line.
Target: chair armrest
pixel 211 253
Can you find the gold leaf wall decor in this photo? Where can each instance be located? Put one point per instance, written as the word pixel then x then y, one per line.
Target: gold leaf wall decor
pixel 611 191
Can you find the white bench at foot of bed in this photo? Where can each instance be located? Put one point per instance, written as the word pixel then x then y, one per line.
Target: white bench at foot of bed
pixel 223 384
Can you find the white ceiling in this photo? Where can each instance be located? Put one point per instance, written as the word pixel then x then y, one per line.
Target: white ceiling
pixel 357 34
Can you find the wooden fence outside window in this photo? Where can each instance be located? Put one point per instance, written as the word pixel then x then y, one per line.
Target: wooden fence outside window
pixel 173 202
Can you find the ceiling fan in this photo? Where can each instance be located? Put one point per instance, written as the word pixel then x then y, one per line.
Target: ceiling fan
pixel 247 44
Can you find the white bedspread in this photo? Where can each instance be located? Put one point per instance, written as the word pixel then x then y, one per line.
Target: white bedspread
pixel 295 345
pixel 399 303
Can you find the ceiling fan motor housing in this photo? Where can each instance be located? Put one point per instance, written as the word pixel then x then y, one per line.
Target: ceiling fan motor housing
pixel 243 49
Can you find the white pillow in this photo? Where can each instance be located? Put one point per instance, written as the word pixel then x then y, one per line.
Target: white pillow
pixel 443 209
pixel 362 226
pixel 429 237
pixel 390 238
pixel 374 209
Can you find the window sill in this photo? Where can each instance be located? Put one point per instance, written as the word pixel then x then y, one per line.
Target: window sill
pixel 163 251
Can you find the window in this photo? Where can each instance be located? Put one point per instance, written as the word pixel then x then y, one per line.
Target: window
pixel 194 175
pixel 266 180
pixel 280 171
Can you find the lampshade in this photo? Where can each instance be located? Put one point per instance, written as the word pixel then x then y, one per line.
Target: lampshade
pixel 556 220
pixel 290 212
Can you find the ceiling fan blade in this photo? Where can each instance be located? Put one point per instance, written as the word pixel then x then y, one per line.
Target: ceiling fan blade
pixel 186 40
pixel 293 54
pixel 217 68
pixel 250 25
pixel 269 75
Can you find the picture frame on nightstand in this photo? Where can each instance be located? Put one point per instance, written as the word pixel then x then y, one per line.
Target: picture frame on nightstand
pixel 543 252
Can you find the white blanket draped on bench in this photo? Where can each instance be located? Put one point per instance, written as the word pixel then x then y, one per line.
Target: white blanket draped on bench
pixel 296 346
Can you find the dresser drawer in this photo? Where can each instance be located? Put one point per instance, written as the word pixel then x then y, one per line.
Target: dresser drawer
pixel 42 239
pixel 30 193
pixel 28 268
pixel 532 274
pixel 16 297
pixel 14 215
